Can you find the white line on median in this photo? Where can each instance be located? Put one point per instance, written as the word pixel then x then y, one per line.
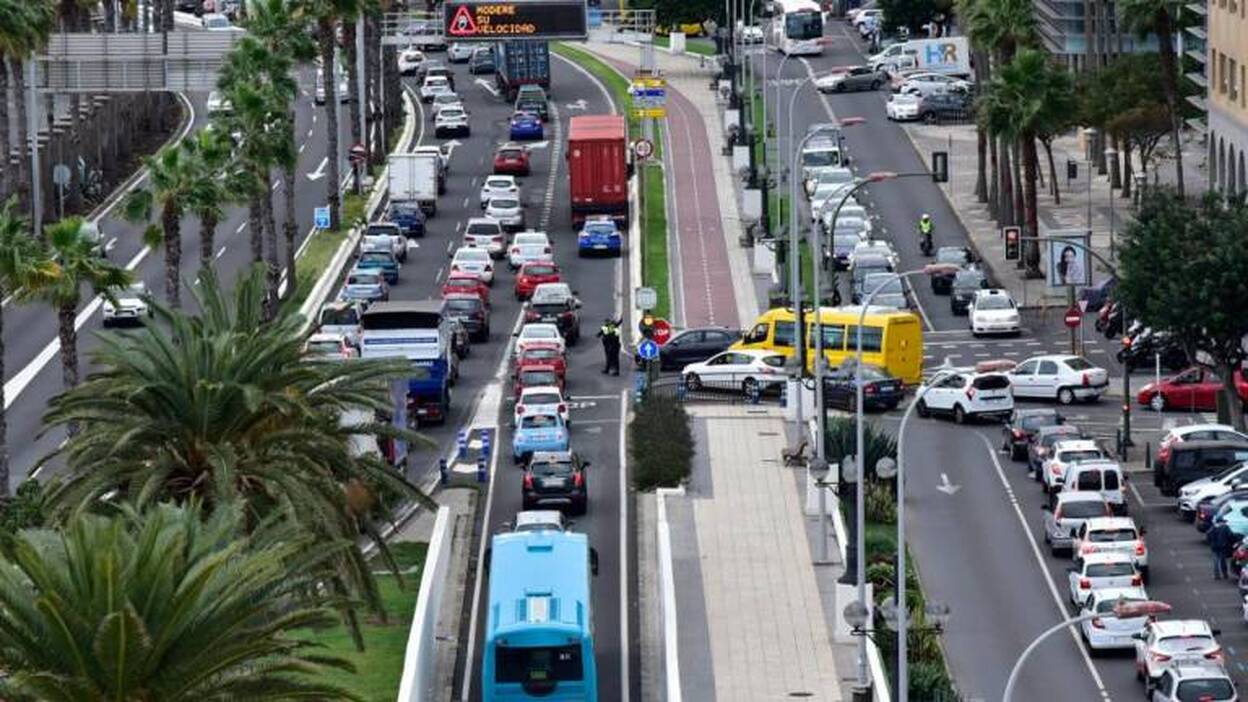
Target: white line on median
pixel 624 676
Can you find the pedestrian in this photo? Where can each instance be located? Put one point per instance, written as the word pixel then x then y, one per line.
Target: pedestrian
pixel 1222 543
pixel 610 335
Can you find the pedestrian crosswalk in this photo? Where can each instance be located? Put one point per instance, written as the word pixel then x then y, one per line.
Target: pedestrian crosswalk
pixel 961 347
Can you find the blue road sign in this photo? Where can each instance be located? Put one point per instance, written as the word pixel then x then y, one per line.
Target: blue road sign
pixel 594 16
pixel 648 350
pixel 320 217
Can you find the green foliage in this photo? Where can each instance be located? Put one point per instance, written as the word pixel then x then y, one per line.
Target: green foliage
pixel 930 681
pixel 881 503
pixel 660 442
pixel 911 14
pixel 654 263
pixel 24 510
pixel 842 439
pixel 999 27
pixel 166 604
pixel 1028 96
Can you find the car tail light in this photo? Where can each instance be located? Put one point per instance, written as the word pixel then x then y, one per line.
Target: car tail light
pixel 454 266
pixel 1085 584
pixel 1018 433
pixel 1042 451
pixel 562 409
pixel 515 250
pixel 1087 548
pixel 1215 655
pixel 498 239
pixel 870 390
pixel 530 316
pixel 1139 547
pixel 1056 469
pixel 1136 581
pixel 578 480
pixel 528 481
pixel 1057 514
pixel 1159 657
pixel 1086 381
pixel 566 315
pixel 489 268
pixel 1096 622
pixel 519 409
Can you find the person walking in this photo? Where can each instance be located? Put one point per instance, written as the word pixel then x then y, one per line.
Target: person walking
pixel 609 332
pixel 1222 543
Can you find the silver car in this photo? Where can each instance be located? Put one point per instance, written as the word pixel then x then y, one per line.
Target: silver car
pixel 509 212
pixel 853 78
pixel 1067 513
pixel 460 52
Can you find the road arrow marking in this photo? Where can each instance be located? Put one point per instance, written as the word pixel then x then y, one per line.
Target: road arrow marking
pixel 487 86
pixel 450 146
pixel 320 170
pixel 578 105
pixel 537 144
pixel 947 487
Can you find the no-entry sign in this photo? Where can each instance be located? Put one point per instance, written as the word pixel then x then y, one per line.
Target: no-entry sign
pixel 1073 316
pixel 474 20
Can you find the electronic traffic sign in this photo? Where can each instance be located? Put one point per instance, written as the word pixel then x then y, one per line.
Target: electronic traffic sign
pixel 476 20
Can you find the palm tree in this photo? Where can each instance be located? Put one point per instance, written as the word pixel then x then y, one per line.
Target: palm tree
pixel 1027 97
pixel 167 604
pixel 216 185
pixel 1157 17
pixel 32 23
pixel 223 407
pixel 22 262
pixel 79 262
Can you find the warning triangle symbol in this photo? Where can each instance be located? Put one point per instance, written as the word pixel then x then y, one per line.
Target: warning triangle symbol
pixel 462 24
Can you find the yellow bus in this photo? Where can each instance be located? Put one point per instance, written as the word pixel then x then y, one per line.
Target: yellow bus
pixel 891 339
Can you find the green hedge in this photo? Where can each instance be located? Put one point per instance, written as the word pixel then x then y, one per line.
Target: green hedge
pixel 660 442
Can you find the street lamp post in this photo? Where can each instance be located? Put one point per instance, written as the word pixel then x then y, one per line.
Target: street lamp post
pixel 1123 609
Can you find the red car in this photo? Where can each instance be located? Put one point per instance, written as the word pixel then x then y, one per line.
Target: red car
pixel 537 376
pixel 542 355
pixel 1195 389
pixel 466 283
pixel 511 159
pixel 533 274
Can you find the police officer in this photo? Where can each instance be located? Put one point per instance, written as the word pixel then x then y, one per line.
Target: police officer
pixel 610 335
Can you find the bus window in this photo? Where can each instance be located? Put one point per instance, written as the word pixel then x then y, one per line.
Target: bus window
pixel 756 335
pixel 872 338
pixel 833 337
pixel 784 334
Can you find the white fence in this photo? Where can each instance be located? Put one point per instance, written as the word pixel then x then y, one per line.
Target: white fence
pixel 420 662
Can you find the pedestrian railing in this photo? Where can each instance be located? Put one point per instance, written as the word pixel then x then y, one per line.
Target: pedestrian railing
pixel 687 390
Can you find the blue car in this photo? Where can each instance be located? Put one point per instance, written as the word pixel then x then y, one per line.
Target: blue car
pixel 526 125
pixel 600 235
pixel 410 218
pixel 365 286
pixel 383 262
pixel 538 432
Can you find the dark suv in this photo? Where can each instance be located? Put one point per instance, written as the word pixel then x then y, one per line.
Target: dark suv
pixel 1022 428
pixel 557 479
pixel 1193 460
pixel 562 311
pixel 965 283
pixel 693 346
pixel 945 107
pixel 472 312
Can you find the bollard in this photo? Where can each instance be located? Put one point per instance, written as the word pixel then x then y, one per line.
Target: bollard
pixel 443 474
pixel 681 390
pixel 754 393
pixel 485 444
pixel 784 395
pixel 461 442
pixel 1148 456
pixel 481 469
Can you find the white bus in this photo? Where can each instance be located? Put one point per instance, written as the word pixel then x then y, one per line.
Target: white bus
pixel 797 27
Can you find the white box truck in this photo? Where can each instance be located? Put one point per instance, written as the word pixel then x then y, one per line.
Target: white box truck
pixel 951 55
pixel 414 178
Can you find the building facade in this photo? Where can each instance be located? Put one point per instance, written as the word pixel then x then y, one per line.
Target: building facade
pixel 1227 101
pixel 1085 34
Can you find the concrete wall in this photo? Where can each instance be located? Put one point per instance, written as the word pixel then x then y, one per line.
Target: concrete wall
pixel 420 663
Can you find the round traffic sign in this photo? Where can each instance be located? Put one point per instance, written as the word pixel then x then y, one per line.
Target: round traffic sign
pixel 643 148
pixel 1073 317
pixel 648 350
pixel 662 331
pixel 358 153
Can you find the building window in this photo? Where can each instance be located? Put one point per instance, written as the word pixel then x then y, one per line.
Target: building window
pixel 1231 79
pixel 1221 73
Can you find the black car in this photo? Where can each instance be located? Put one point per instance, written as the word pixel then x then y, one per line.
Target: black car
pixel 1192 460
pixel 1022 427
pixel 945 107
pixel 195 7
pixel 535 104
pixel 693 346
pixel 482 61
pixel 472 312
pixel 861 267
pixel 563 312
pixel 960 256
pixel 555 478
pixel 965 283
pixel 880 390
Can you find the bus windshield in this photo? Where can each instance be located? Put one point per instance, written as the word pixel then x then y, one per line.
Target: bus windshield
pixel 803 25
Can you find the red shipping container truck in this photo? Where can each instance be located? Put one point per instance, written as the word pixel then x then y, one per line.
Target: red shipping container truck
pixel 598 167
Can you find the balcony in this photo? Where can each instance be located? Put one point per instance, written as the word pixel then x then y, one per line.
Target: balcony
pixel 1198 8
pixel 1198 79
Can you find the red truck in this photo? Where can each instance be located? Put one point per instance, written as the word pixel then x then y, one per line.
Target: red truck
pixel 598 167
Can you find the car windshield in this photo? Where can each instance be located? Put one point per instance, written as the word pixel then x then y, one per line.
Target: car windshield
pixel 888 283
pixel 549 307
pixel 1035 421
pixel 324 348
pixel 374 257
pixel 950 255
pixel 1081 455
pixel 1184 644
pixel 600 228
pixel 483 228
pixel 463 283
pixel 1107 605
pixel 541 354
pixel 1078 364
pixel 531 332
pixel 817 159
pixel 510 153
pixel 1101 536
pixel 845 241
pixel 539 270
pixel 542 398
pixel 836 176
pixel 538 239
pixel 473 255
pixel 451 113
pixel 339 316
pixel 905 98
pixel 1082 509
pixel 1109 570
pixel 1205 690
pixel 499 183
pixel 994 302
pixel 462 304
pixel 538 421
pixel 363 279
pixel 552 469
pixel 502 203
pixel 968 279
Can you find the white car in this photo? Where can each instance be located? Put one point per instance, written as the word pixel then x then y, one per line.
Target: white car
pixel 539 333
pixel 217 22
pixel 966 394
pixel 826 196
pixel 509 212
pixel 1207 681
pixel 460 52
pixel 736 369
pixel 219 104
pixel 486 233
pixel 1215 486
pixel 1097 571
pixel 130 305
pixel 874 247
pixel 499 186
pixel 751 34
pixel 342 89
pixel 993 312
pixel 902 107
pixel 475 261
pixel 382 236
pixel 434 85
pixel 541 399
pixel 924 84
pixel 539 520
pixel 328 346
pixel 1060 377
pixel 866 17
pixel 827 177
pixel 442 100
pixel 1168 642
pixel 529 246
pixel 1111 535
pixel 343 318
pixel 1107 631
pixel 409 61
pixel 452 120
pixel 1062 455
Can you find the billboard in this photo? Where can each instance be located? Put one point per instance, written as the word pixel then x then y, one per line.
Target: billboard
pixel 1068 259
pixel 473 20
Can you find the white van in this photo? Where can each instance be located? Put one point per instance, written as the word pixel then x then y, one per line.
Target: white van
pixel 1104 477
pixel 819 154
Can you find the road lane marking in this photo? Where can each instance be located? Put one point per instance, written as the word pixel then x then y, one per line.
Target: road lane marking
pixel 302 147
pixel 1044 569
pixel 241 227
pixel 220 253
pixel 624 642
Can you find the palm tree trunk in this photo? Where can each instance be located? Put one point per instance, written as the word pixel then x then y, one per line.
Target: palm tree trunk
pixel 1115 174
pixel 6 148
pixel 291 227
pixel 1030 204
pixel 1126 168
pixel 4 421
pixel 1006 195
pixel 994 180
pixel 171 222
pixel 353 78
pixel 273 272
pixel 68 335
pixel 23 132
pixel 1170 87
pixel 255 221
pixel 325 35
pixel 1048 154
pixel 207 241
pixel 1019 201
pixel 981 136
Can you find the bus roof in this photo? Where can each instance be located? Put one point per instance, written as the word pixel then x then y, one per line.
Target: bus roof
pixel 422 306
pixel 875 313
pixel 539 578
pixel 787 6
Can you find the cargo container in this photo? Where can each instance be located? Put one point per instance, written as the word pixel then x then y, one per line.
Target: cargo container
pixel 598 167
pixel 521 62
pixel 414 178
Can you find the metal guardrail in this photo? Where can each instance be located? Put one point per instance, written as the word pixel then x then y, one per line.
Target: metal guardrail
pixel 95 63
pixel 706 391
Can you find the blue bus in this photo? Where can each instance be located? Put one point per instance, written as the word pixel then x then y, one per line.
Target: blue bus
pixel 539 632
pixel 419 332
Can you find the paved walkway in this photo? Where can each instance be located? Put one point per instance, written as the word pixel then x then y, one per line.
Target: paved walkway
pixel 710 272
pixel 753 622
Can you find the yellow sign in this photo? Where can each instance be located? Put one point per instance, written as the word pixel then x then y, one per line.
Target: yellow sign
pixel 649 83
pixel 654 112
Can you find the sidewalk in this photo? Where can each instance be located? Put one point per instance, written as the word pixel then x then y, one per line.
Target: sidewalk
pixel 748 597
pixel 1085 198
pixel 711 277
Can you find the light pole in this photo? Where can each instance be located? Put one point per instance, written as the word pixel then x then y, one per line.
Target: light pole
pixel 1123 609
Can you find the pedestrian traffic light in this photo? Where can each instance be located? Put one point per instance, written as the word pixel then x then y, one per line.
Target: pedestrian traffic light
pixel 940 167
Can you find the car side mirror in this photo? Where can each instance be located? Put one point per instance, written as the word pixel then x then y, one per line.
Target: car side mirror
pixel 485 561
pixel 1138 636
pixel 504 527
pixel 593 561
pixel 1045 508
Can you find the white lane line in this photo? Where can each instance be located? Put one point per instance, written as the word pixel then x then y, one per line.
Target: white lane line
pixel 438 275
pixel 302 147
pixel 276 184
pixel 220 253
pixel 1048 578
pixel 556 150
pixel 465 203
pixel 241 227
pixel 623 487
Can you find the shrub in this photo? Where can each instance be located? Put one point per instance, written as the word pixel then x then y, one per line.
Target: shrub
pixel 24 510
pixel 930 681
pixel 842 437
pixel 660 442
pixel 880 503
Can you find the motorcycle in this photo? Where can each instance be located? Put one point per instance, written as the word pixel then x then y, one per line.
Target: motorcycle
pixel 925 243
pixel 1147 345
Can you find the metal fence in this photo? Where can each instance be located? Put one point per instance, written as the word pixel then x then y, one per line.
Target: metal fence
pixel 736 393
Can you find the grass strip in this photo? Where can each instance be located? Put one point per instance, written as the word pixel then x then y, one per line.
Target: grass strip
pixel 379 667
pixel 322 245
pixel 692 45
pixel 654 264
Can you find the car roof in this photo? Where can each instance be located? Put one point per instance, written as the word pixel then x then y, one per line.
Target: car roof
pixel 1189 428
pixel 1110 523
pixel 1207 444
pixel 1075 445
pixel 992 292
pixel 327 336
pixel 540 325
pixel 1186 668
pixel 1036 412
pixel 1053 357
pixel 1113 593
pixel 539 517
pixel 1080 496
pixel 463 296
pixel 1059 429
pixel 1107 557
pixel 1182 627
pixel 540 388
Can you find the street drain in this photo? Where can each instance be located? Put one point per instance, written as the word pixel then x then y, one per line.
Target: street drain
pixel 769 433
pixel 801 694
